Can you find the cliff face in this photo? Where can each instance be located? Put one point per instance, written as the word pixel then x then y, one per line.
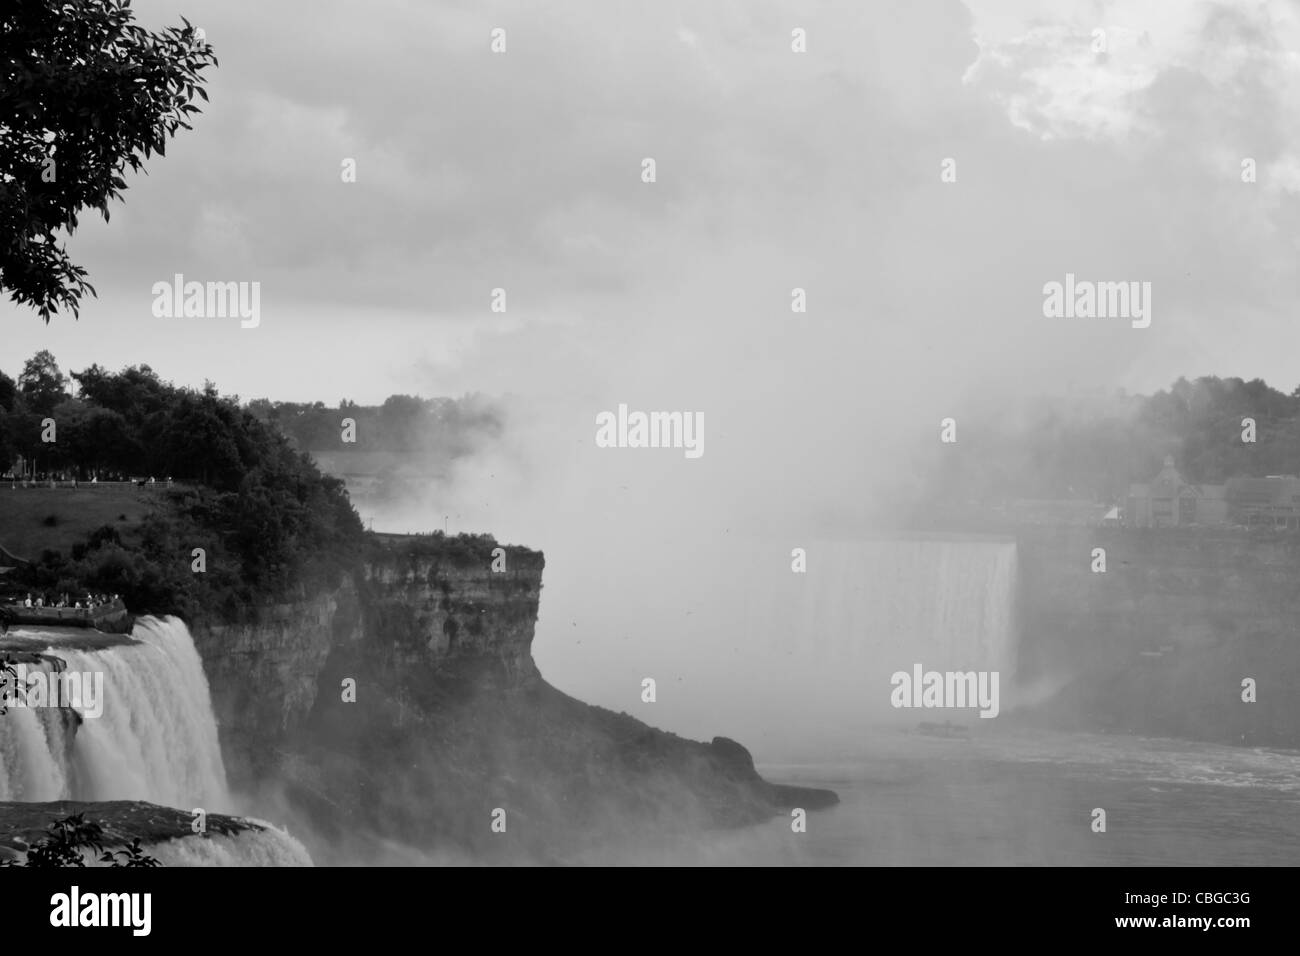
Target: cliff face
pixel 411 614
pixel 1160 642
pixel 405 705
pixel 455 618
pixel 264 673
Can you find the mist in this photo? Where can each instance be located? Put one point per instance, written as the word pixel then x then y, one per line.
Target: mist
pixel 840 253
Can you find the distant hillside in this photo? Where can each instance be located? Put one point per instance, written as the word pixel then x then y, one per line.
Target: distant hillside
pixel 390 453
pixel 402 427
pixel 1093 448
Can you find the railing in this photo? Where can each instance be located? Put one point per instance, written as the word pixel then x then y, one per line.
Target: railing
pixel 82 617
pixel 56 483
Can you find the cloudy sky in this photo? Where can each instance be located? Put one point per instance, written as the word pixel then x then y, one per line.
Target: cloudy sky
pixel 1116 155
pixel 822 170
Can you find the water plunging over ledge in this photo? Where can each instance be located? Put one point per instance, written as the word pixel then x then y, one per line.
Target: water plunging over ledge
pixel 155 740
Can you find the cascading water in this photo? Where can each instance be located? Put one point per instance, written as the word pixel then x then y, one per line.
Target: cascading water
pixel 268 847
pixel 949 604
pixel 815 651
pixel 151 737
pixel 155 740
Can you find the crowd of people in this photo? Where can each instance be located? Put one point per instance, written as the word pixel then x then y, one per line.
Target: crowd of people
pixel 42 479
pixel 64 600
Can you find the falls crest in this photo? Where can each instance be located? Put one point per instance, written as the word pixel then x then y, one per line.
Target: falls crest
pixel 815 651
pixel 156 739
pixel 948 604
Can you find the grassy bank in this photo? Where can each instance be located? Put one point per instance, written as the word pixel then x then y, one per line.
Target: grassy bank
pixel 33 520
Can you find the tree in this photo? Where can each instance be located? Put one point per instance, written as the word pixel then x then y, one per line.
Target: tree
pixel 84 93
pixel 8 393
pixel 8 398
pixel 8 450
pixel 41 383
pixel 133 392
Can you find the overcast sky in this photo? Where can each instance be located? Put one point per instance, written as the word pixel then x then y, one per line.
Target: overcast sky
pixel 775 170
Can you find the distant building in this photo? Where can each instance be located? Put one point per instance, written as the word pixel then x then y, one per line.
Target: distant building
pixel 1272 502
pixel 1168 500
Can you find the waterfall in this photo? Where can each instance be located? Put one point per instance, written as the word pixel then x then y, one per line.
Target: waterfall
pixel 948 604
pixel 814 652
pixel 155 740
pixel 268 847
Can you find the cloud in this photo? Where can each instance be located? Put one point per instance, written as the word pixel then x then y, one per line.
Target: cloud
pixel 1108 71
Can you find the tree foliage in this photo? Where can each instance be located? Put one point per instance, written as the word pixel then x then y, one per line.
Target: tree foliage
pixel 41 383
pixel 443 427
pixel 84 94
pixel 65 840
pixel 264 515
pixel 1095 448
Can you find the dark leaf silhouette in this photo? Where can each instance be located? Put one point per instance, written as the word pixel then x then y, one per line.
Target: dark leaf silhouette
pixel 65 839
pixel 85 93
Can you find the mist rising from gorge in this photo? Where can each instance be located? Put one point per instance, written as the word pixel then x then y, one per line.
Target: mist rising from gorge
pixel 678 569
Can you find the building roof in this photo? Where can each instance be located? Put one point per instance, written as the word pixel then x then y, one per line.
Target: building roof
pixel 1276 490
pixel 1170 483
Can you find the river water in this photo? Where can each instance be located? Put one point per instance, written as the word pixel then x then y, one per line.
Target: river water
pixel 1027 798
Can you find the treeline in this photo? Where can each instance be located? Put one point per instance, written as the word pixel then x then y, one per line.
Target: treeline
pixel 403 424
pixel 264 516
pixel 1094 448
pixel 125 423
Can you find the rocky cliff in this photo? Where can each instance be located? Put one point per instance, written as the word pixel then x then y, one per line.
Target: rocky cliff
pixel 166 834
pixel 264 670
pixel 451 613
pixel 1160 642
pixel 404 706
pixel 417 607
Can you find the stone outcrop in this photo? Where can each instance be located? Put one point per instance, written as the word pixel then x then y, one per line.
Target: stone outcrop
pixel 22 825
pixel 405 705
pixel 264 671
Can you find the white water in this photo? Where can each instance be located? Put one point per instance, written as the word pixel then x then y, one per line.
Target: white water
pixel 948 605
pixel 742 645
pixel 156 739
pixel 268 847
pixel 866 610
